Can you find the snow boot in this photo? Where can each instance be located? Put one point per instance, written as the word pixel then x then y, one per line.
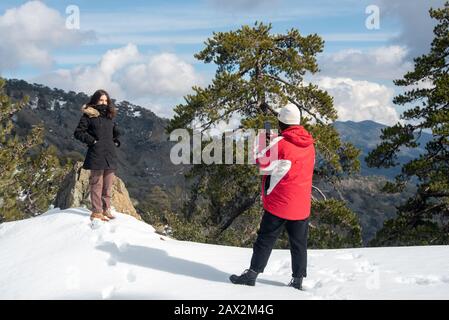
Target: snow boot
pixel 296 283
pixel 98 215
pixel 248 278
pixel 107 213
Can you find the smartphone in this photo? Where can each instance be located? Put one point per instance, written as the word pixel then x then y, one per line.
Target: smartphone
pixel 267 126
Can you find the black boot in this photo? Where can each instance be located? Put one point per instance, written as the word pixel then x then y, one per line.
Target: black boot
pixel 296 283
pixel 247 278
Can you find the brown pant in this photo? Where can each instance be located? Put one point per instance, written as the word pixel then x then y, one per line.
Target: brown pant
pixel 100 182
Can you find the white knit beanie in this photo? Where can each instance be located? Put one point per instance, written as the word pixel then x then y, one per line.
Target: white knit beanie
pixel 289 114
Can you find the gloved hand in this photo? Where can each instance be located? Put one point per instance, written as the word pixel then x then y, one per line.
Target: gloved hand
pixel 95 141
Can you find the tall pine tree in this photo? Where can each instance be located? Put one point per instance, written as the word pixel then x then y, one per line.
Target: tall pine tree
pixel 257 72
pixel 424 218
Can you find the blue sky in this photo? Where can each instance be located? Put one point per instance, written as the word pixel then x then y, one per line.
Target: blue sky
pixel 126 47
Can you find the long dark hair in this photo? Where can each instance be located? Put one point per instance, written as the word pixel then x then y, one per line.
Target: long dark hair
pixel 112 110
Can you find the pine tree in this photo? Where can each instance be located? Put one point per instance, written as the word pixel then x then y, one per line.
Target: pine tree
pixel 257 71
pixel 155 205
pixel 39 188
pixel 424 218
pixel 29 172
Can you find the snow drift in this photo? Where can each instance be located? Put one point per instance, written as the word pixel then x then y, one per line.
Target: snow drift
pixel 58 255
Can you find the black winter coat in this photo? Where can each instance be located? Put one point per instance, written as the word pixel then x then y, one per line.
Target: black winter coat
pixel 101 135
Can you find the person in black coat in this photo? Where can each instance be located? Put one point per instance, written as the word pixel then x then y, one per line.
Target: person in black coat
pixel 98 130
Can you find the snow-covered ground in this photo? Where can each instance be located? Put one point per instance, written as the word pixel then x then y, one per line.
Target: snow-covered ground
pixel 58 255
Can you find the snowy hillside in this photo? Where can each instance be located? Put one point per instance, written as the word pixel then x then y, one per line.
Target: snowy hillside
pixel 59 256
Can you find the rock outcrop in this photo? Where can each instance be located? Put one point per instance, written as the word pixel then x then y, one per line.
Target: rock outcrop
pixel 74 192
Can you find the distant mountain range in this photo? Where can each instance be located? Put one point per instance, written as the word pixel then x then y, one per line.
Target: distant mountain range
pixel 365 135
pixel 145 150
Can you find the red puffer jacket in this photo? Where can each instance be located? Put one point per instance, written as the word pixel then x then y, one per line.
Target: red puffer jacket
pixel 287 167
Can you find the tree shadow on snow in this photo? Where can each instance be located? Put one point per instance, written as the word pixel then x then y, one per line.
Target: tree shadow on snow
pixel 159 260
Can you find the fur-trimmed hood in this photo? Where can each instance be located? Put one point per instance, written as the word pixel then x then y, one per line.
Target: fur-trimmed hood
pixel 90 111
pixel 100 134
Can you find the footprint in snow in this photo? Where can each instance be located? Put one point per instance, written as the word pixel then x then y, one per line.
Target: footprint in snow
pixel 337 275
pixel 97 239
pixel 108 292
pixel 122 246
pixel 96 224
pixel 366 267
pixel 422 279
pixel 111 261
pixel 112 229
pixel 349 256
pixel 130 276
pixel 312 284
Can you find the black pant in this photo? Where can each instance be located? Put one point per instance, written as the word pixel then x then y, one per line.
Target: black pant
pixel 270 229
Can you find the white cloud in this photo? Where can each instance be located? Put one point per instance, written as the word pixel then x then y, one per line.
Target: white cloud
pixel 90 78
pixel 161 79
pixel 386 63
pixel 30 32
pixel 71 59
pixel 164 74
pixel 116 59
pixel 360 100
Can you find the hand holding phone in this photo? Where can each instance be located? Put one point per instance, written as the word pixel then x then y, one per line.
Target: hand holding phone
pixel 267 127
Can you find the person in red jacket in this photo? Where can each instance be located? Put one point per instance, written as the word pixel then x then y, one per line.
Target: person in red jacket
pixel 287 166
